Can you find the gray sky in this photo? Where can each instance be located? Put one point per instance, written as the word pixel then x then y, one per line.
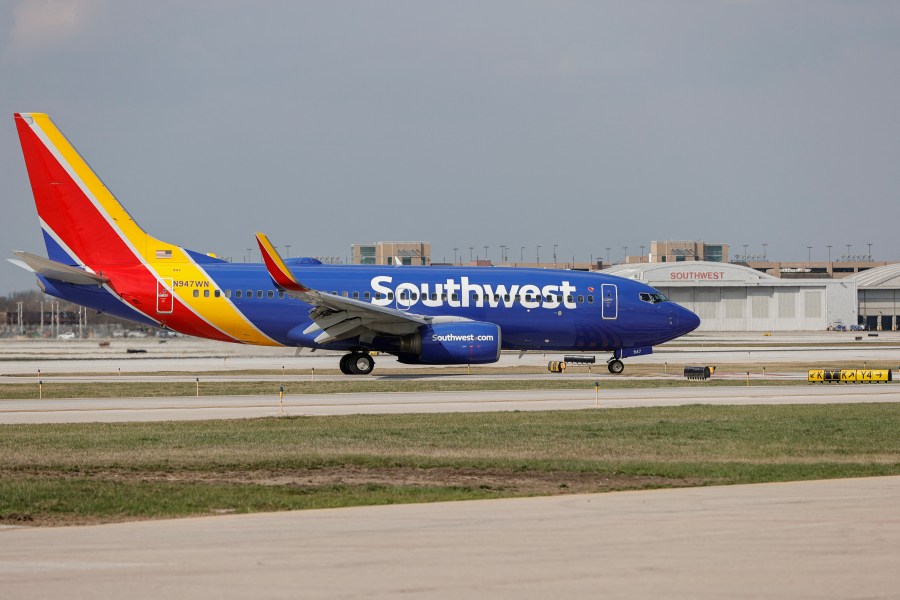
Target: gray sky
pixel 583 124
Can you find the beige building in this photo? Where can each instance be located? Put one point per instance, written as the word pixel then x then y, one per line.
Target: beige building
pixel 684 251
pixel 391 253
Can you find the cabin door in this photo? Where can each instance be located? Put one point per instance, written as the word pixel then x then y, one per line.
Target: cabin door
pixel 165 302
pixel 609 296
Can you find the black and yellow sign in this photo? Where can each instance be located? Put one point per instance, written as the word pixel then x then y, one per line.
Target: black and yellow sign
pixel 849 375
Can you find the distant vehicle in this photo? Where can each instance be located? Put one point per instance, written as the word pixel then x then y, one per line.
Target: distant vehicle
pixel 857 328
pixel 66 336
pixel 99 257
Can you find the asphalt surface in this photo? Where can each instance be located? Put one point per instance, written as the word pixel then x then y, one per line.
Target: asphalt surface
pixel 824 539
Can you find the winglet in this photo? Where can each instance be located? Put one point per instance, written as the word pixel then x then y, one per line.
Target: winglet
pixel 279 272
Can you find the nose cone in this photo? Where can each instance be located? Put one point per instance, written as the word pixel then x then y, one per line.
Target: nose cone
pixel 687 321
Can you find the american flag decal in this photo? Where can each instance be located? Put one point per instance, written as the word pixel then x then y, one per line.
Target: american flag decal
pixel 590 289
pixel 163 254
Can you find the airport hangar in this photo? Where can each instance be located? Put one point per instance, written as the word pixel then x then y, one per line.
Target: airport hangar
pixel 731 297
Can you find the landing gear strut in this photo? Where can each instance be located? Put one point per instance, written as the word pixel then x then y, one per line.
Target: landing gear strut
pixel 615 366
pixel 357 363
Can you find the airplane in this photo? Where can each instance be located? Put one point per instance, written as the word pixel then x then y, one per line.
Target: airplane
pixel 100 258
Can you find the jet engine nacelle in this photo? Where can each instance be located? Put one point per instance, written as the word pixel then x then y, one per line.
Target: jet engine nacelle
pixel 468 342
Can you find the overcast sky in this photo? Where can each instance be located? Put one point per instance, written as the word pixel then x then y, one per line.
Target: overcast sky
pixel 583 124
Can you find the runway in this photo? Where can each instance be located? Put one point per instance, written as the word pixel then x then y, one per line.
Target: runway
pixel 244 407
pixel 820 539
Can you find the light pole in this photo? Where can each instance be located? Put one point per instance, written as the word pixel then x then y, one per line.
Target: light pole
pixel 248 254
pixel 765 252
pixel 485 252
pixel 471 248
pixel 502 253
pixel 538 256
pixel 288 246
pixel 642 253
pixel 455 250
pixel 829 253
pixel 809 254
pixel 745 252
pixel 555 246
pixel 848 252
pixel 522 254
pixel 624 255
pixel 608 261
pixel 870 244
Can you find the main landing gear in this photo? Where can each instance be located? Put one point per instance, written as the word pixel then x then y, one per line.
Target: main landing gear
pixel 615 366
pixel 357 363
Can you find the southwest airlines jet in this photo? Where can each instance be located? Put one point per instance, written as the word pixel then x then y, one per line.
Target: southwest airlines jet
pixel 100 258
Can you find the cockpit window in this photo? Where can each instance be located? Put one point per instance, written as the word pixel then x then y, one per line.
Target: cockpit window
pixel 653 298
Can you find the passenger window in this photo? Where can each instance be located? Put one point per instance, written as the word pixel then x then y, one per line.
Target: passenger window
pixel 367 296
pixel 443 297
pixel 356 295
pixel 506 297
pixel 206 293
pixel 580 299
pixel 259 294
pixel 390 296
pixel 249 294
pixel 271 294
pixel 474 297
pixel 281 294
pixel 496 297
pixel 334 292
pixel 238 293
pixel 228 293
pixel 196 293
pixel 344 294
pixel 570 298
pixel 217 293
pixel 434 296
pixel 455 297
pixel 590 299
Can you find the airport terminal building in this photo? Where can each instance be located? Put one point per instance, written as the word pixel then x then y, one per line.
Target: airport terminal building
pixel 730 297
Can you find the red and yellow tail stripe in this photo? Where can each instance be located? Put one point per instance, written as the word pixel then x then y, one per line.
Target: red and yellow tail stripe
pixel 80 213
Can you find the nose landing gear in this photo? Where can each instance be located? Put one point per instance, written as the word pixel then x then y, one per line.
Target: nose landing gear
pixel 357 363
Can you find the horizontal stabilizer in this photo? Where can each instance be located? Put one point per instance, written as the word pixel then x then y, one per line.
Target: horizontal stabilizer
pixel 51 269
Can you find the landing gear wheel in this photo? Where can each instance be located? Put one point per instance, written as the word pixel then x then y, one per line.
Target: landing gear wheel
pixel 360 364
pixel 615 366
pixel 345 364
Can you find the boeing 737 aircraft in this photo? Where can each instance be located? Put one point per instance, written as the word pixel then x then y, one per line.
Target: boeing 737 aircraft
pixel 100 258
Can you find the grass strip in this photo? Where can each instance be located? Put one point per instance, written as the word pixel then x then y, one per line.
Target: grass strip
pixel 78 473
pixel 125 389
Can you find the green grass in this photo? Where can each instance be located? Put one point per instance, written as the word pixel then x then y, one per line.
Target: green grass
pixel 126 389
pixel 77 473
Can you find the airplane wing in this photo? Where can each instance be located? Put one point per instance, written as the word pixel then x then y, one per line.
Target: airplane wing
pixel 55 270
pixel 337 317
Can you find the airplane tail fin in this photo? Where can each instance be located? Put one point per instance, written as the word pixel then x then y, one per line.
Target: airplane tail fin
pixel 82 222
